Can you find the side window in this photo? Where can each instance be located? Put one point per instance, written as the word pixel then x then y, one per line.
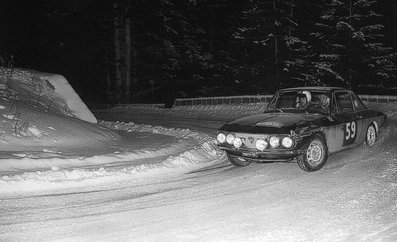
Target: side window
pixel 358 105
pixel 343 102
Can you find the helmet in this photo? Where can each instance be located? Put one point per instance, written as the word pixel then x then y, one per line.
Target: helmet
pixel 308 95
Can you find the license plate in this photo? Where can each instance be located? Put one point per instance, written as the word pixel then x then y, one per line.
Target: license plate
pixel 249 154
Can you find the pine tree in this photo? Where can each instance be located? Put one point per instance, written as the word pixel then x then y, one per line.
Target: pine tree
pixel 174 53
pixel 273 49
pixel 349 45
pixel 299 53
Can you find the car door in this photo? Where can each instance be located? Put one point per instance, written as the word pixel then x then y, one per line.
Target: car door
pixel 362 116
pixel 347 120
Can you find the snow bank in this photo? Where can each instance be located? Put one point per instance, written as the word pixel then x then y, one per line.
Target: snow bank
pixel 66 179
pixel 192 151
pixel 65 92
pixel 175 132
pixel 194 110
pixel 40 112
pixel 47 91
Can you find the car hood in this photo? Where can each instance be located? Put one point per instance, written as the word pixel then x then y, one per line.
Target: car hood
pixel 273 122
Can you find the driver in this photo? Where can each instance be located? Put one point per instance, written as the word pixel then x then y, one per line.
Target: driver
pixel 303 99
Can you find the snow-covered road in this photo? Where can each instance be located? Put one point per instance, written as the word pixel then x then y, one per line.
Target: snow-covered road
pixel 198 196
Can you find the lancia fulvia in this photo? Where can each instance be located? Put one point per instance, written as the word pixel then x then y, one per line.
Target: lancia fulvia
pixel 303 124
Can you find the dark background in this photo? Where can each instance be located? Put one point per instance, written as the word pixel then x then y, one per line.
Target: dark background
pixel 195 48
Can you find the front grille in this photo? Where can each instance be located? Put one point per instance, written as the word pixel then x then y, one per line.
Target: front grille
pixel 249 140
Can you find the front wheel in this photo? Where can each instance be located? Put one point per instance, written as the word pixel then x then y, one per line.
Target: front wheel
pixel 238 161
pixel 371 136
pixel 315 156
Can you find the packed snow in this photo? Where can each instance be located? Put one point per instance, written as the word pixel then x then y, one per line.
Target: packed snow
pixel 154 174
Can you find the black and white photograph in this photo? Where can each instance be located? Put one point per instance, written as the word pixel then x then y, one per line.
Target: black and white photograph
pixel 198 120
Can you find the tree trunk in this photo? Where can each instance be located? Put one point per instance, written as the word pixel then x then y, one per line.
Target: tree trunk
pixel 211 30
pixel 275 36
pixel 127 27
pixel 275 50
pixel 276 56
pixel 350 67
pixel 291 15
pixel 133 64
pixel 109 86
pixel 117 54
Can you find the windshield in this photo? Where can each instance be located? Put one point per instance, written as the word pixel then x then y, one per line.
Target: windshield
pixel 301 101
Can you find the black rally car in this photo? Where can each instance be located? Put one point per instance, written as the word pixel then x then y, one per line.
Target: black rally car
pixel 305 124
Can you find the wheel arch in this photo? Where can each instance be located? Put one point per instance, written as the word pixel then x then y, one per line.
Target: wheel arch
pixel 375 124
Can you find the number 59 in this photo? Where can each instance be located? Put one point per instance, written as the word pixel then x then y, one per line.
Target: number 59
pixel 350 130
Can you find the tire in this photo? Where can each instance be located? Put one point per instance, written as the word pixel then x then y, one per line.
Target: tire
pixel 315 156
pixel 238 161
pixel 371 136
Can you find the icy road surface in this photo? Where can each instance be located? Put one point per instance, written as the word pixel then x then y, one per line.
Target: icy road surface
pixel 353 198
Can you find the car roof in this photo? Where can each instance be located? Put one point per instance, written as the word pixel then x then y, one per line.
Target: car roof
pixel 314 88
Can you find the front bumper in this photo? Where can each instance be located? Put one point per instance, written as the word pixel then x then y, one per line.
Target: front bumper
pixel 264 156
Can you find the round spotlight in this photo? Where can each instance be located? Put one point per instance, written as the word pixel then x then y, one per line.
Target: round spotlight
pixel 230 139
pixel 261 144
pixel 237 142
pixel 221 138
pixel 287 142
pixel 274 142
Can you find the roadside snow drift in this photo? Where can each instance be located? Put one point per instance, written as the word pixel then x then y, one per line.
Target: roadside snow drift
pixel 65 92
pixel 49 140
pixel 182 150
pixel 41 114
pixel 43 90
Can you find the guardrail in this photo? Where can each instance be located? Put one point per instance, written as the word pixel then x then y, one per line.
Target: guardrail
pixel 261 99
pixel 128 106
pixel 229 100
pixel 248 99
pixel 378 98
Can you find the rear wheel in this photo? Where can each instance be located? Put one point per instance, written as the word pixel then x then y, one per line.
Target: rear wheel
pixel 238 161
pixel 315 156
pixel 371 136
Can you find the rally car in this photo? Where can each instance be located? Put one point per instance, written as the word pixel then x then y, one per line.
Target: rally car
pixel 304 124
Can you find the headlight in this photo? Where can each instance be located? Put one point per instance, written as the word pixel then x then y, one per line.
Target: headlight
pixel 221 138
pixel 237 142
pixel 261 144
pixel 274 142
pixel 230 138
pixel 287 142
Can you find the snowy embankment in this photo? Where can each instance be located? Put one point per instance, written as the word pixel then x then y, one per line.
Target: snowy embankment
pixel 193 111
pixel 50 140
pixel 188 150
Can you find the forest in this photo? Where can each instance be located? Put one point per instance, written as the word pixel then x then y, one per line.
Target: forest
pixel 142 51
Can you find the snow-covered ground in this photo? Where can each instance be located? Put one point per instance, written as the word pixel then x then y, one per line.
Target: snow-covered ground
pixel 156 175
